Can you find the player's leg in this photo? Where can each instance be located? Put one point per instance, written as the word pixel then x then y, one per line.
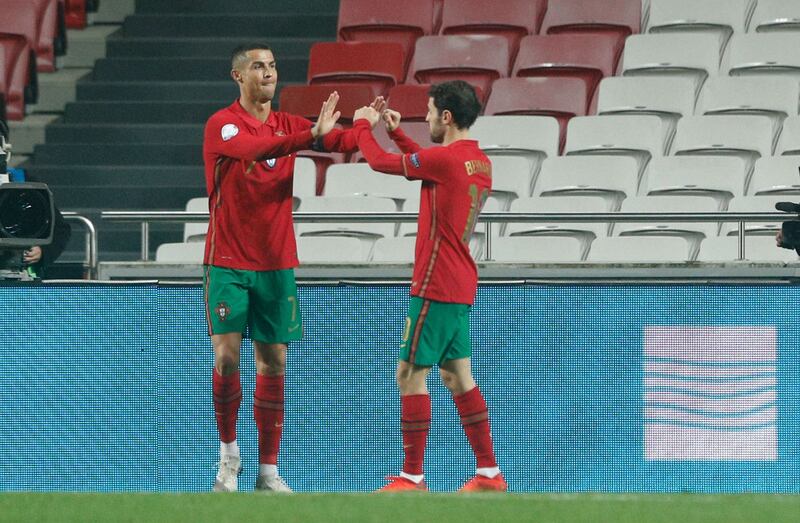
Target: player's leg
pixel 226 312
pixel 418 352
pixel 274 321
pixel 456 373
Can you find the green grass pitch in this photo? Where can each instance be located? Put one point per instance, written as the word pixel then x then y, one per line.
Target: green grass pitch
pixel 405 508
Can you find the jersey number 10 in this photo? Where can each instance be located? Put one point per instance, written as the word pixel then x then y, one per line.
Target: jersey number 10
pixel 478 197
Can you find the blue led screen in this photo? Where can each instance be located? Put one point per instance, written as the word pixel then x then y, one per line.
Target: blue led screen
pixel 612 388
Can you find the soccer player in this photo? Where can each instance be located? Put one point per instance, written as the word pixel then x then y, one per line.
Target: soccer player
pixel 456 180
pixel 249 154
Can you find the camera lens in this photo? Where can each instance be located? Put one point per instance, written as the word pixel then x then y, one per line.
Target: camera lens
pixel 24 213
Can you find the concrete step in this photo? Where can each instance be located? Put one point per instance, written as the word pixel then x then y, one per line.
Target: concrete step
pixel 223 91
pixel 209 47
pixel 87 45
pixel 153 177
pixel 236 6
pixel 118 241
pixel 57 89
pixel 121 197
pixel 292 69
pixel 187 134
pixel 257 25
pixel 113 11
pixel 26 134
pixel 128 155
pixel 139 112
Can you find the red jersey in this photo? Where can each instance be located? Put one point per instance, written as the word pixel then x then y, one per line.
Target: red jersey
pixel 456 180
pixel 249 168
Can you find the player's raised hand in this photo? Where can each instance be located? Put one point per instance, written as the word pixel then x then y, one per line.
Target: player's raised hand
pixel 379 104
pixel 328 116
pixel 391 119
pixel 368 113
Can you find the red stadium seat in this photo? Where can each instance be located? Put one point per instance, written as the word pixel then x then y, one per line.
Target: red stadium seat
pixel 20 74
pixel 588 57
pixel 516 19
pixel 420 132
pixel 561 98
pixel 399 22
pixel 411 101
pixel 380 65
pixel 477 59
pixel 618 17
pixel 306 100
pixel 75 14
pixel 3 86
pixel 46 34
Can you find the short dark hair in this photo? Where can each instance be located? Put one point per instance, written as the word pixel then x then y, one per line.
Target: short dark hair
pixel 458 97
pixel 241 51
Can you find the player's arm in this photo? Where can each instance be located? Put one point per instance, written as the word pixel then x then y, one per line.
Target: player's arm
pixel 339 140
pixel 224 138
pixel 392 121
pixel 425 164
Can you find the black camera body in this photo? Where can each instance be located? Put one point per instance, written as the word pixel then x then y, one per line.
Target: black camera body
pixel 790 230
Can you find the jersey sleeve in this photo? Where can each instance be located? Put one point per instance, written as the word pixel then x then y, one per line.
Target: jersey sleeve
pixel 425 164
pixel 336 141
pixel 403 141
pixel 224 138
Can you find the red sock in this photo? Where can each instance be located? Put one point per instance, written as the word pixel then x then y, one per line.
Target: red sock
pixel 475 420
pixel 268 411
pixel 227 397
pixel 415 421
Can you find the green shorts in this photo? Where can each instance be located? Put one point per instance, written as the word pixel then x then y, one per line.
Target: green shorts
pixel 265 301
pixel 435 332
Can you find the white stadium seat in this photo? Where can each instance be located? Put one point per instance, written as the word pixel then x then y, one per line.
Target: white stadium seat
pixel 756 249
pixel 720 18
pixel 720 178
pixel 612 177
pixel 773 54
pixel 776 175
pixel 764 203
pixel 510 179
pixel 776 15
pixel 537 249
pixel 196 231
pixel 394 250
pixel 358 179
pixel 304 181
pixel 187 252
pixel 692 56
pixel 331 249
pixel 638 249
pixel 789 142
pixel 367 231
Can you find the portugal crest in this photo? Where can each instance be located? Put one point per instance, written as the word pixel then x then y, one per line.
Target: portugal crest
pixel 222 310
pixel 271 162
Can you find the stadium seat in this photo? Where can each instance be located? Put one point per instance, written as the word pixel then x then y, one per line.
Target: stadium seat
pixel 639 136
pixel 745 136
pixel 775 15
pixel 3 85
pixel 510 179
pixel 304 180
pixel 306 100
pixel 28 18
pixel 587 57
pixel 479 60
pixel 639 249
pixel 584 232
pixel 191 252
pixel 720 18
pixel 745 204
pixel 380 65
pixel 516 19
pixel 193 231
pixel 331 249
pixel 410 100
pixel 773 54
pixel 394 250
pixel 620 18
pixel 692 232
pixel 614 178
pixel 398 22
pixel 772 97
pixel 693 56
pixel 561 98
pixel 668 98
pixel 368 232
pixel 719 178
pixel 789 142
pixel 20 74
pixel 531 137
pixel 358 179
pixel 75 14
pixel 47 34
pixel 776 175
pixel 756 249
pixel 537 249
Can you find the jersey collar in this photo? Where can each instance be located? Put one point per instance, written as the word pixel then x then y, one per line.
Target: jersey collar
pixel 236 107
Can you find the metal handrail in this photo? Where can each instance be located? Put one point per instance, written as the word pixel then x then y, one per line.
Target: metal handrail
pixel 91 259
pixel 487 218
